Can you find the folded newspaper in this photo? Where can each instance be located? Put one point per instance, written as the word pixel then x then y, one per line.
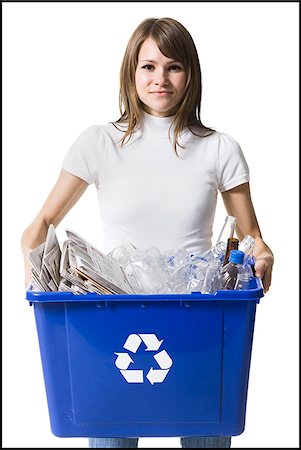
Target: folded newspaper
pixel 45 260
pixel 78 268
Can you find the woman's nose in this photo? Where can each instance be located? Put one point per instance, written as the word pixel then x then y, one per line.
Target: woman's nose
pixel 161 78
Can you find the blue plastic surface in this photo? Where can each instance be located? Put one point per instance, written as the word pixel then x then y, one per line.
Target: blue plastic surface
pixel 146 365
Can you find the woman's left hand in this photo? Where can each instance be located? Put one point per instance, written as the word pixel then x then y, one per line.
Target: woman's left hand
pixel 238 203
pixel 263 269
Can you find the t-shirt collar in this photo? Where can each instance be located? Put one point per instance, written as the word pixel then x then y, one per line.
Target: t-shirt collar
pixel 157 126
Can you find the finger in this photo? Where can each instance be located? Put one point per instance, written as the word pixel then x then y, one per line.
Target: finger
pixel 260 268
pixel 266 279
pixel 263 271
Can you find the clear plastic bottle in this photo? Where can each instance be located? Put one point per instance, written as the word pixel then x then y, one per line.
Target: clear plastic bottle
pixel 242 281
pixel 148 269
pixel 247 246
pixel 216 252
pixel 176 258
pixel 212 277
pixel 230 271
pixel 123 253
pixel 199 270
pixel 227 230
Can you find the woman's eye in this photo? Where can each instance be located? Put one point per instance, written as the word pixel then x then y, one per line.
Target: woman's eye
pixel 148 67
pixel 175 67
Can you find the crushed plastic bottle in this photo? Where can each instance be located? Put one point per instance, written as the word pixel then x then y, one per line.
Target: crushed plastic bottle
pixel 212 280
pixel 123 253
pixel 175 258
pixel 149 270
pixel 177 271
pixel 216 252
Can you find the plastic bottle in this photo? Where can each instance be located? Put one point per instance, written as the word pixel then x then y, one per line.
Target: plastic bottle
pixel 230 271
pixel 242 281
pixel 175 258
pixel 216 252
pixel 148 269
pixel 231 245
pixel 227 230
pixel 247 246
pixel 123 253
pixel 199 270
pixel 212 277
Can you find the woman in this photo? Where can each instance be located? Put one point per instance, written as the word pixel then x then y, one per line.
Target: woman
pixel 157 169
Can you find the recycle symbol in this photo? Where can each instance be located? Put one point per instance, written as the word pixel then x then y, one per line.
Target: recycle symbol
pixel 152 344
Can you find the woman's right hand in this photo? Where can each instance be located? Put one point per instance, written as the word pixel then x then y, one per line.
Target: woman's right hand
pixel 65 193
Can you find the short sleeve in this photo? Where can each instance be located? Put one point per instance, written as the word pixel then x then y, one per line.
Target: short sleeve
pixel 232 165
pixel 82 159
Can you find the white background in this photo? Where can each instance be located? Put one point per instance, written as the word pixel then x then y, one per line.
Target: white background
pixel 60 75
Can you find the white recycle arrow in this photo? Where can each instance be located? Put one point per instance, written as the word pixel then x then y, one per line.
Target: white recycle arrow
pixel 132 343
pixel 133 376
pixel 151 341
pixel 163 359
pixel 123 360
pixel 156 376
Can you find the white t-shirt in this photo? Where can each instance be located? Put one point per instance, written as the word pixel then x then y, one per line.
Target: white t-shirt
pixel 147 194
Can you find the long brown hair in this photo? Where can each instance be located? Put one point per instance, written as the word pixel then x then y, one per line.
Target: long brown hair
pixel 174 41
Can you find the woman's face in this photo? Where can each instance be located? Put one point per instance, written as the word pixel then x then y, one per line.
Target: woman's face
pixel 160 81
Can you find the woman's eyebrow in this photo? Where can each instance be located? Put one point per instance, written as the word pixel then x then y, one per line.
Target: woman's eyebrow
pixel 153 61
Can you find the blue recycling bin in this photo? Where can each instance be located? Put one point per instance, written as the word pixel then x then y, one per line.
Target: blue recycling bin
pixel 146 365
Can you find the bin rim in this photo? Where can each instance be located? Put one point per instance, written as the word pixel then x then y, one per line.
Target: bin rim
pixel 69 297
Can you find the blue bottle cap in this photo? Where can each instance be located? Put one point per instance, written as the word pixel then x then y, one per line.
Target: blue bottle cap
pixel 236 256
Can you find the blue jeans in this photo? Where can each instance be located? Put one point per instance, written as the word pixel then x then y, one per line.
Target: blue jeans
pixel 186 442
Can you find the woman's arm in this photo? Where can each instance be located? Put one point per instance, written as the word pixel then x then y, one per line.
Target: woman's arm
pixel 65 193
pixel 238 203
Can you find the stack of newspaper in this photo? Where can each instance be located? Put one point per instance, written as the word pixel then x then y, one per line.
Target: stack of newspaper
pixel 78 268
pixel 45 261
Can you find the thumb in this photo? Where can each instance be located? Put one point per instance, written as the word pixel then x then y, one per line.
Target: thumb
pixel 260 267
pixel 263 270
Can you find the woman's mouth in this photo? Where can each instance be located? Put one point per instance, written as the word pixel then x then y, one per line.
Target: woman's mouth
pixel 161 93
